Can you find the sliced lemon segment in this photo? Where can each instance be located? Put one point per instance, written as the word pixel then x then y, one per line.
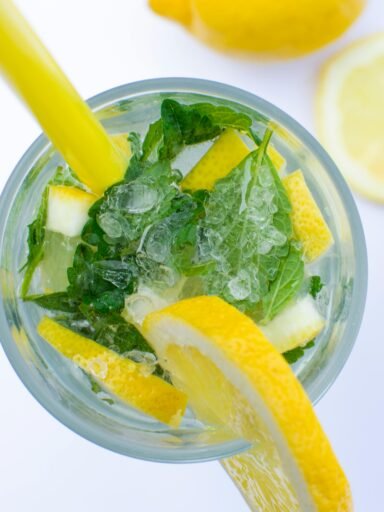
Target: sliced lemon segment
pixel 226 152
pixel 295 326
pixel 126 379
pixel 308 222
pixel 235 378
pixel 350 114
pixel 68 209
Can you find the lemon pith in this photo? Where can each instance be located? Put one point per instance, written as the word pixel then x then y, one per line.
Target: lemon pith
pixel 350 114
pixel 285 28
pixel 308 222
pixel 124 378
pixel 68 209
pixel 234 377
pixel 297 324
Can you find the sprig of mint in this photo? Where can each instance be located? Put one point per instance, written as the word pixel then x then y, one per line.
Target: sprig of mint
pixel 247 233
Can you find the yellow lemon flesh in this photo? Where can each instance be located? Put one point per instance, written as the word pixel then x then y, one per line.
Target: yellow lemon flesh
pixel 126 379
pixel 308 222
pixel 225 154
pixel 236 379
pixel 278 28
pixel 350 114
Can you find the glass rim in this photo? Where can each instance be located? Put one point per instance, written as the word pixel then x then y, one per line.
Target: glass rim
pixel 199 86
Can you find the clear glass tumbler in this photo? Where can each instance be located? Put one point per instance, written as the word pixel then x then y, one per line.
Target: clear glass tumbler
pixel 62 389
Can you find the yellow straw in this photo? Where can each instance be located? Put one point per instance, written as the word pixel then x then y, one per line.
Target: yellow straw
pixel 65 117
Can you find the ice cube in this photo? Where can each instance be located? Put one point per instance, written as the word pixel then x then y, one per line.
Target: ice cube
pixel 274 236
pixel 110 224
pixel 240 285
pixel 265 177
pixel 157 243
pixel 134 197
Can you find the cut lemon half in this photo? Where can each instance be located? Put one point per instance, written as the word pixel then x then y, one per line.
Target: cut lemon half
pixel 235 378
pixel 308 222
pixel 126 379
pixel 350 114
pixel 225 154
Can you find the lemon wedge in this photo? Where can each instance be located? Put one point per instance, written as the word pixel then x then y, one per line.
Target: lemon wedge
pixel 126 379
pixel 308 222
pixel 295 326
pixel 350 114
pixel 234 377
pixel 225 154
pixel 68 209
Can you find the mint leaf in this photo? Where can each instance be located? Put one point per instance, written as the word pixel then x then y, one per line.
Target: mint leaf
pixel 287 283
pixel 152 139
pixel 224 117
pixel 135 143
pixel 36 237
pixel 191 124
pixel 295 354
pixel 59 301
pixel 246 231
pixel 315 286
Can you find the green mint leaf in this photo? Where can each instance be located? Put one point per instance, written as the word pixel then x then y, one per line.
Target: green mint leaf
pixel 287 283
pixel 191 124
pixel 224 117
pixel 295 354
pixel 36 237
pixel 171 114
pixel 135 143
pixel 135 165
pixel 108 301
pixel 152 139
pixel 245 231
pixel 59 301
pixel 315 286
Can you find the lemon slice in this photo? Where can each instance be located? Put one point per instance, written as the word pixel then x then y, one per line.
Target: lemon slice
pixel 235 378
pixel 350 114
pixel 295 326
pixel 308 222
pixel 225 154
pixel 68 209
pixel 126 379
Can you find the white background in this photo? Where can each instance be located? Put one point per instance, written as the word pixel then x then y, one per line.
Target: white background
pixel 45 467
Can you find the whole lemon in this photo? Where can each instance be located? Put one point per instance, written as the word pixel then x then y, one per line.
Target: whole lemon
pixel 282 28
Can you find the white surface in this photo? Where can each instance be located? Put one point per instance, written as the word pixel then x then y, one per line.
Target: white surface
pixel 46 467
